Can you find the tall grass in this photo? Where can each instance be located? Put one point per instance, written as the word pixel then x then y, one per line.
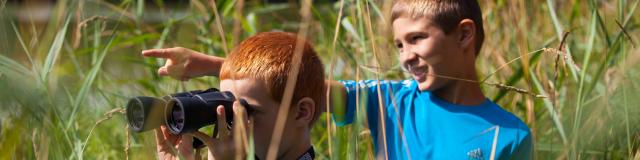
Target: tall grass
pixel 64 79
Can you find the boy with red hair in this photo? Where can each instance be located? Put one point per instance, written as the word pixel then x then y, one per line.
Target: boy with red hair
pixel 257 71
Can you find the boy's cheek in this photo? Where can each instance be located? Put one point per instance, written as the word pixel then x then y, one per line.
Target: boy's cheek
pixel 260 123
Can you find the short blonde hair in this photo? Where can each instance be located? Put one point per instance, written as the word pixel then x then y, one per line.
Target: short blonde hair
pixel 268 56
pixel 444 13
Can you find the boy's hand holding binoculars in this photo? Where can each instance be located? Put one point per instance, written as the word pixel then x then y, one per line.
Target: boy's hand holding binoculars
pixel 184 64
pixel 228 145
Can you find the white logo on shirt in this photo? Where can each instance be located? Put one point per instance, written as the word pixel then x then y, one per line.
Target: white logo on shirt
pixel 475 154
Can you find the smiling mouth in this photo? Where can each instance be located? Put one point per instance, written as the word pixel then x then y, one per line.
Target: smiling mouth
pixel 418 73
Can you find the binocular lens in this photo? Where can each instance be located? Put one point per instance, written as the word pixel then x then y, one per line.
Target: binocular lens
pixel 145 113
pixel 137 114
pixel 176 119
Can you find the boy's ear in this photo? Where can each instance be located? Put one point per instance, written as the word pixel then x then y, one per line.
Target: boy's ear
pixel 305 111
pixel 467 33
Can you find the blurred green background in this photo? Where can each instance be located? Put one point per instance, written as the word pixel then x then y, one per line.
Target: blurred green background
pixel 67 68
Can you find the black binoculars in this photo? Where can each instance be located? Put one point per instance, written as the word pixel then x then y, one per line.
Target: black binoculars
pixel 181 112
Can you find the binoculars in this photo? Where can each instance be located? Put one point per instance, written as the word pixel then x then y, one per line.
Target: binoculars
pixel 181 112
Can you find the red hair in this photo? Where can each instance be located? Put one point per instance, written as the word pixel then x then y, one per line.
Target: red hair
pixel 268 56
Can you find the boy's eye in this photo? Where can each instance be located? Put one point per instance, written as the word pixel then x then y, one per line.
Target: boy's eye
pixel 398 45
pixel 414 39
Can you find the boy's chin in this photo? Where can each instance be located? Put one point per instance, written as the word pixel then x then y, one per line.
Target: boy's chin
pixel 431 84
pixel 425 86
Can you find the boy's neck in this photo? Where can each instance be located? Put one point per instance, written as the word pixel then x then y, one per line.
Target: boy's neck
pixel 299 148
pixel 462 92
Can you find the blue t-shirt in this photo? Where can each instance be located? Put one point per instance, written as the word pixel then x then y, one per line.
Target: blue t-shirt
pixel 434 128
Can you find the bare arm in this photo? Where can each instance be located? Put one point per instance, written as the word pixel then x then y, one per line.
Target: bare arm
pixel 184 64
pixel 337 96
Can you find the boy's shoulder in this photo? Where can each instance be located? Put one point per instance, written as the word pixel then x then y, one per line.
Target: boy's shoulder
pixel 499 116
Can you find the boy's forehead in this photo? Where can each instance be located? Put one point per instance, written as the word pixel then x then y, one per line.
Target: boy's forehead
pixel 420 21
pixel 408 24
pixel 249 88
pixel 243 86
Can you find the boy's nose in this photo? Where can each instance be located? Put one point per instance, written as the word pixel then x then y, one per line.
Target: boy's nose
pixel 408 56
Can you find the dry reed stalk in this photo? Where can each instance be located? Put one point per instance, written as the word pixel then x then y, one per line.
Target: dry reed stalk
pixel 219 26
pixel 531 118
pixel 495 143
pixel 107 116
pixel 127 143
pixel 367 22
pixel 33 141
pixel 78 19
pixel 237 22
pixel 240 137
pixel 80 26
pixel 331 69
pixel 199 7
pixel 633 44
pixel 122 11
pixel 328 104
pixel 287 97
pixel 551 86
pixel 515 89
pixel 400 130
pixel 507 64
pixel 361 109
pixel 41 149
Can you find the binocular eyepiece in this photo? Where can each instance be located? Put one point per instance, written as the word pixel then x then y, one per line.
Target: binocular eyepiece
pixel 180 112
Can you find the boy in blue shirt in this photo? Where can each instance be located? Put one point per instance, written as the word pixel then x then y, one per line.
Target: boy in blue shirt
pixel 439 113
pixel 435 116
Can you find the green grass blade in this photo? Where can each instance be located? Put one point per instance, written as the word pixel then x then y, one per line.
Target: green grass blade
pixel 554 18
pixel 583 75
pixel 96 43
pixel 24 47
pixel 8 65
pixel 86 84
pixel 54 51
pixel 165 33
pixel 250 23
pixel 550 108
pixel 348 26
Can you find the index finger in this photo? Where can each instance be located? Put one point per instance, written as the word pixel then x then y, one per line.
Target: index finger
pixel 164 142
pixel 222 125
pixel 207 140
pixel 158 53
